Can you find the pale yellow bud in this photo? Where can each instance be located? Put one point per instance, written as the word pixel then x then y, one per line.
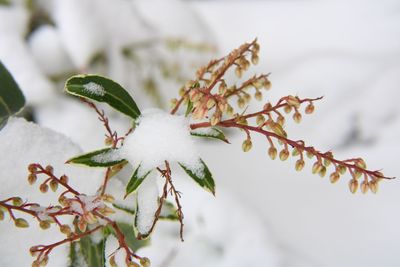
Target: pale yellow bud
pixel 277 129
pixel 32 178
pixel 64 179
pixel 322 172
pixel 258 96
pixel 299 165
pixel 107 211
pixel 222 88
pixel 364 186
pixel 247 97
pixel 145 262
pixel 49 169
pixel 1 215
pixel 374 186
pixel 21 223
pixel 341 169
pixel 316 167
pixel 361 163
pixel 82 224
pixel 287 109
pixel 255 59
pixel 309 155
pixel 215 119
pixel 272 152
pixel 241 102
pixel 44 188
pixel 17 201
pixel 297 117
pixel 53 185
pixel 357 174
pixel 295 152
pixel 173 102
pixel 260 120
pixel 334 177
pixel 229 110
pixel 284 154
pixel 247 144
pixel 108 198
pixel 293 101
pixel 182 91
pixel 44 225
pixel 266 83
pixel 65 229
pixel 90 218
pixel 239 72
pixel 353 185
pixel 210 103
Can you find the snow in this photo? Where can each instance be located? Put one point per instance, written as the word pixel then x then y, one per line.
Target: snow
pixel 48 51
pixel 147 201
pixel 111 246
pixel 94 89
pixel 23 143
pixel 158 137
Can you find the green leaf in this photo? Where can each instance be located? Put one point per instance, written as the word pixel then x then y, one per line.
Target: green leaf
pixel 11 98
pixel 130 238
pixel 189 108
pixel 201 175
pixel 168 212
pixel 100 158
pixel 126 209
pixel 212 132
pixel 73 257
pixel 102 89
pixel 135 181
pixel 93 254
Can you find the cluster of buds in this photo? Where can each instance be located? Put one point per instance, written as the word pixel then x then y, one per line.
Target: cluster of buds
pixel 270 121
pixel 51 181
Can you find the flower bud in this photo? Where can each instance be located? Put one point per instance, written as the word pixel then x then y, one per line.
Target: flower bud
pixel 44 225
pixel 229 110
pixel 210 103
pixel 353 185
pixel 277 129
pixel 65 229
pixel 267 106
pixel 334 177
pixel 260 120
pixel 32 168
pixel 173 102
pixel 108 198
pixel 287 109
pixel 32 178
pixel 357 174
pixel 341 169
pixel 107 211
pixel 299 165
pixel 44 188
pixel 215 119
pixel 258 96
pixel 361 163
pixel 82 224
pixel 309 155
pixel 53 185
pixel 64 179
pixel 297 117
pixel 316 168
pixel 322 172
pixel 280 120
pixel 246 146
pixel 17 201
pixel 295 152
pixel 241 102
pixel 374 186
pixel 145 262
pixel 255 59
pixel 239 72
pixel 21 223
pixel 108 141
pixel 309 109
pixel 49 169
pixel 284 154
pixel 266 83
pixel 293 101
pixel 364 186
pixel 90 218
pixel 194 95
pixel 272 152
pixel 63 201
pixel 1 215
pixel 222 88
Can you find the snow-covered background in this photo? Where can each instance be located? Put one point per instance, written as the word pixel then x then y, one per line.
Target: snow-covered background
pixel 265 213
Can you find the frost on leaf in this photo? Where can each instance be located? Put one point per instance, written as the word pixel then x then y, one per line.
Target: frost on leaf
pixel 94 88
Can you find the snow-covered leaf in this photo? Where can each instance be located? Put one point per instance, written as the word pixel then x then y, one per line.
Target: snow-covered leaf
pixel 168 212
pixel 93 253
pixel 102 89
pixel 100 158
pixel 11 98
pixel 212 132
pixel 201 174
pixel 135 181
pixel 147 205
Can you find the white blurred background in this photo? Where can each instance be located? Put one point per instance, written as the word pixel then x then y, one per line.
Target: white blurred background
pixel 265 213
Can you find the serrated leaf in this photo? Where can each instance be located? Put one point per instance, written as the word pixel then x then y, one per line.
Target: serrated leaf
pixel 102 89
pixel 99 158
pixel 135 181
pixel 201 175
pixel 93 254
pixel 11 98
pixel 168 212
pixel 212 132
